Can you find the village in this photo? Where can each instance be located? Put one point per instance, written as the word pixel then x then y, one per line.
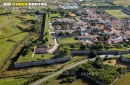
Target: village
pixel 91 27
pixel 65 42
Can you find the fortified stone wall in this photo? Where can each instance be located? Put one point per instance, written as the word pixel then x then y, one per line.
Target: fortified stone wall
pixel 124 59
pixel 109 52
pixel 96 81
pixel 36 63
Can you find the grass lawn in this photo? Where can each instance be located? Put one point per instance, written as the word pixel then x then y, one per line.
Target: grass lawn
pixel 46 28
pixel 51 40
pixel 119 49
pixel 46 23
pixel 1 10
pixel 117 13
pixel 11 81
pixel 29 58
pixel 126 56
pixel 9 31
pixel 124 80
pixel 68 40
pixel 55 15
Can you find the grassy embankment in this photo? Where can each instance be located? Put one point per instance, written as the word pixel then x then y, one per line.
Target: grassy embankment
pixel 11 81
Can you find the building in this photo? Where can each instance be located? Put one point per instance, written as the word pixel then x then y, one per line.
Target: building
pixel 41 49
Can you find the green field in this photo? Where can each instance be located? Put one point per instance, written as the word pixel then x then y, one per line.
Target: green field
pixel 68 40
pixel 117 13
pixel 8 30
pixel 29 58
pixel 124 80
pixel 1 10
pixel 11 81
pixel 26 16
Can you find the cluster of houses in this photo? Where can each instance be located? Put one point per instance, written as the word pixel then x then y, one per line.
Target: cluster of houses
pixel 65 6
pixel 92 24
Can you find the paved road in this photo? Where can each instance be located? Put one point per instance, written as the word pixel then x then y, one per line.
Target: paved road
pixel 33 52
pixel 110 56
pixel 59 72
pixel 77 18
pixel 37 18
pixel 56 44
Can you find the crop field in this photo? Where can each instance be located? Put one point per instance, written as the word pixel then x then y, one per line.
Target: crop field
pixel 117 14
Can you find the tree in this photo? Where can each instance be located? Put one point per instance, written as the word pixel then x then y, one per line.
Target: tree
pixel 71 79
pixel 98 62
pixel 65 50
pixel 98 45
pixel 61 34
pixel 99 59
pixel 46 39
pixel 42 56
pixel 72 46
pixel 46 33
pixel 92 54
pixel 82 47
pixel 124 40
